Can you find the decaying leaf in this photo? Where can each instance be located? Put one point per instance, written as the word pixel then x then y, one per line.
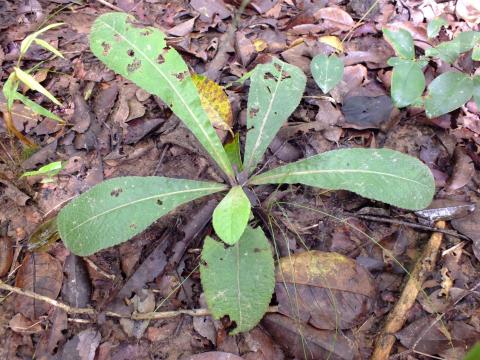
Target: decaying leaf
pixel 327 290
pixel 42 274
pixel 215 102
pixel 6 254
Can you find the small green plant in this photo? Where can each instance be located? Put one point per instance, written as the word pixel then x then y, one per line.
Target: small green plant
pixel 49 171
pixel 237 274
pixel 448 91
pixel 10 88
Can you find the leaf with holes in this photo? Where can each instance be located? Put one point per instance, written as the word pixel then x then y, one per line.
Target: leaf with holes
pixel 276 89
pixel 379 174
pixel 238 280
pixel 116 210
pixel 401 41
pixel 435 25
pixel 142 55
pixel 215 102
pixel 448 92
pixel 327 71
pixel 408 83
pixel 231 216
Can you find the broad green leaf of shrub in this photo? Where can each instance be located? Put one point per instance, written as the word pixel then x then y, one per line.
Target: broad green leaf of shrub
pixel 380 174
pixel 449 51
pixel 142 55
pixel 448 92
pixel 238 280
pixel 402 42
pixel 408 83
pixel 435 25
pixel 118 209
pixel 276 89
pixel 476 53
pixel 476 90
pixel 327 71
pixel 231 215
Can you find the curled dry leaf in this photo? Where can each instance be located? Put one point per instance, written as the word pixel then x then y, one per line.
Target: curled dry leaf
pixel 462 171
pixel 42 274
pixel 306 342
pixel 335 17
pixel 20 324
pixel 470 226
pixel 6 255
pixel 328 290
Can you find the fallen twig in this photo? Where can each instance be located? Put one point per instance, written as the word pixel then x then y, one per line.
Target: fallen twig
pixel 92 312
pixel 397 317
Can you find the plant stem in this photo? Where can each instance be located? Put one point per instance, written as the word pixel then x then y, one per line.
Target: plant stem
pixel 7 117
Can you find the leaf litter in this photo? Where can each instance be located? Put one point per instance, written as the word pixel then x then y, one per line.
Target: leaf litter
pixel 117 131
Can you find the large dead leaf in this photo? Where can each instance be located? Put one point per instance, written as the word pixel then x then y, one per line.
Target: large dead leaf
pixel 335 17
pixel 6 254
pixel 306 342
pixel 42 274
pixel 328 290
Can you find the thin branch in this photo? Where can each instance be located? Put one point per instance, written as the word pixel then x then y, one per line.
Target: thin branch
pixel 92 312
pixel 111 6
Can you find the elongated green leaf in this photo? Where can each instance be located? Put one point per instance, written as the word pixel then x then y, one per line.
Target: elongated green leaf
pixel 476 90
pixel 117 209
pixel 9 88
pixel 275 91
pixel 51 169
pixel 232 149
pixel 48 47
pixel 401 41
pixel 448 92
pixel 434 26
pixel 379 174
pixel 476 53
pixel 449 51
pixel 238 281
pixel 30 38
pixel 36 108
pixel 327 71
pixel 408 83
pixel 142 55
pixel 33 84
pixel 231 216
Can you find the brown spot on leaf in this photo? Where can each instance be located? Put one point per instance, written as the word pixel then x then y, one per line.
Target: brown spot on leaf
pixel 277 66
pixel 160 59
pixel 159 202
pixel 130 52
pixel 253 112
pixel 181 76
pixel 116 192
pixel 106 48
pixel 269 76
pixel 117 37
pixel 134 65
pixel 133 226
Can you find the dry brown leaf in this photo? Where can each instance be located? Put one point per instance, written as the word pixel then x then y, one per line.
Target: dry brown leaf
pixel 20 324
pixel 462 171
pixel 6 255
pixel 328 290
pixel 42 274
pixel 335 17
pixel 468 10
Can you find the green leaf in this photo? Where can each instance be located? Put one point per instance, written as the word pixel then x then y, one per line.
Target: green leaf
pixel 142 55
pixel 434 26
pixel 449 51
pixel 238 281
pixel 231 216
pixel 117 209
pixel 49 47
pixel 9 88
pixel 276 89
pixel 448 92
pixel 51 169
pixel 327 71
pixel 232 149
pixel 33 84
pixel 408 83
pixel 401 41
pixel 379 174
pixel 36 108
pixel 476 53
pixel 30 38
pixel 476 90
pixel 473 353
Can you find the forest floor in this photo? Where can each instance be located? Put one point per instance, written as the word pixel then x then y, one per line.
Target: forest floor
pixel 117 129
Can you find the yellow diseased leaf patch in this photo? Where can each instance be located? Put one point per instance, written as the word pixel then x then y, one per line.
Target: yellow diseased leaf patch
pixel 215 102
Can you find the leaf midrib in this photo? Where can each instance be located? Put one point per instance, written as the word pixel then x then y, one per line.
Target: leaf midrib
pixel 255 180
pixel 173 193
pixel 264 121
pixel 220 158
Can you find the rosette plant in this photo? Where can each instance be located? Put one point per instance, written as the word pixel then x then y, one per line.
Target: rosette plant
pixel 237 271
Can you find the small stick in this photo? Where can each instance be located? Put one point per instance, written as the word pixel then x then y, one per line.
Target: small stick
pixel 89 311
pixel 397 317
pixel 111 6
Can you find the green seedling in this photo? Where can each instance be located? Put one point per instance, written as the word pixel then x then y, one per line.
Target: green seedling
pixel 18 75
pixel 49 171
pixel 447 92
pixel 237 274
